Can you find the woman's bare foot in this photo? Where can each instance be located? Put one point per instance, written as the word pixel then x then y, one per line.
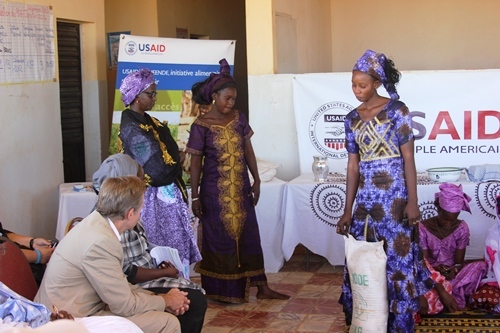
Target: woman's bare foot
pixel 264 292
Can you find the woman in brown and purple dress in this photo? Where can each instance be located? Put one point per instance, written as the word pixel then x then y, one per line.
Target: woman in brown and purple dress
pixel 220 140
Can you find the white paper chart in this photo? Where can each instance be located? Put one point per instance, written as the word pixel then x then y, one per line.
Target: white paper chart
pixel 27 51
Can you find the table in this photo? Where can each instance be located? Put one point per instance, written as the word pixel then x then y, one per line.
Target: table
pixel 79 204
pixel 311 210
pixel 268 211
pixel 73 204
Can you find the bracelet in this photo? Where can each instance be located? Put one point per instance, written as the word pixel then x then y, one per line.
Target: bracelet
pixel 39 256
pixel 194 199
pixel 31 243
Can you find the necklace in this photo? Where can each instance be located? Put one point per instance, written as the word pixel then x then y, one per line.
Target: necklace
pixel 439 231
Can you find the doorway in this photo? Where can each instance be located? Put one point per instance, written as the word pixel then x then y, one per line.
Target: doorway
pixel 70 95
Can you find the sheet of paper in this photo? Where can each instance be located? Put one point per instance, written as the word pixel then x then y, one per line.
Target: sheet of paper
pixel 169 254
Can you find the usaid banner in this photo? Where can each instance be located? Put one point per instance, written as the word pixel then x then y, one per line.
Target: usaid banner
pixel 176 64
pixel 455 116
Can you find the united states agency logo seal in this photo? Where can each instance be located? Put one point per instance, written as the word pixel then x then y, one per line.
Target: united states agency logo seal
pixel 131 48
pixel 326 129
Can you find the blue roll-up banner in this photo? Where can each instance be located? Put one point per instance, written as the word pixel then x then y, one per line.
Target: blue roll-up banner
pixel 176 64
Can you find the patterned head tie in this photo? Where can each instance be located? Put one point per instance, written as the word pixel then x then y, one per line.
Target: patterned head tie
pixel 135 83
pixel 373 63
pixel 115 166
pixel 452 198
pixel 216 81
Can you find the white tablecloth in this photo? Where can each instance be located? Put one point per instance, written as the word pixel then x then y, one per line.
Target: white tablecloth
pixel 73 204
pixel 79 204
pixel 268 212
pixel 311 210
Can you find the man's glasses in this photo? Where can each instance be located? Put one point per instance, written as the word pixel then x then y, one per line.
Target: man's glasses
pixel 151 94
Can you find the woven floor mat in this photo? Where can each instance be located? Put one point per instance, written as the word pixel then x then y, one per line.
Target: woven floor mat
pixel 466 322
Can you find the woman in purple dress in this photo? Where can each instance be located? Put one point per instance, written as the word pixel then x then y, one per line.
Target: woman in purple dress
pixel 381 176
pixel 148 141
pixel 444 239
pixel 220 140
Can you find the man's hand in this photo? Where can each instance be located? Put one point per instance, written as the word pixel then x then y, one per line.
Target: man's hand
pixel 176 301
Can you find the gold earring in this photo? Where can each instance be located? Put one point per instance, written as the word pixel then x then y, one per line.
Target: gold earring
pixel 213 101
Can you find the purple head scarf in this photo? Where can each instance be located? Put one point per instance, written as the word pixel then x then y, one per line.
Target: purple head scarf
pixel 135 83
pixel 452 198
pixel 215 81
pixel 373 63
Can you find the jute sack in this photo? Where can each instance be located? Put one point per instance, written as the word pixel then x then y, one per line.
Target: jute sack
pixel 366 262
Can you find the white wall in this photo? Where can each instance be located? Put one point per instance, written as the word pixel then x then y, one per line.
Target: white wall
pixel 30 157
pixel 30 131
pixel 273 121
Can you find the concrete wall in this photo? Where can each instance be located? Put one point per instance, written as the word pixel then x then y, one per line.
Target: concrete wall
pixel 310 23
pixel 30 133
pixel 421 35
pixel 418 35
pixel 215 19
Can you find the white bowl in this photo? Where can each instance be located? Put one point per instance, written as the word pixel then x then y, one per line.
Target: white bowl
pixel 444 174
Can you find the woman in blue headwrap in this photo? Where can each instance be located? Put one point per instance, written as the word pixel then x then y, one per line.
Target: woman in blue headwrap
pixel 219 142
pixel 381 176
pixel 148 141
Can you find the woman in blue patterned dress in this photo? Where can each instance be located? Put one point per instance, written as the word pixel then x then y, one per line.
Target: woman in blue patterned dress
pixel 381 176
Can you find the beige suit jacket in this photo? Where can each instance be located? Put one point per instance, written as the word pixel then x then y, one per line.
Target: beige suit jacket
pixel 84 275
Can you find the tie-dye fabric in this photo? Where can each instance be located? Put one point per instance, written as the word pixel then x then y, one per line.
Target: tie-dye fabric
pixel 382 194
pixel 442 251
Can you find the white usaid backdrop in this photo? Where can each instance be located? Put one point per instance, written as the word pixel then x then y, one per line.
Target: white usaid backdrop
pixel 176 64
pixel 455 116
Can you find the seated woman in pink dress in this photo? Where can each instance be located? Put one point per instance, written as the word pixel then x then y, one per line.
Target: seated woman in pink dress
pixel 444 239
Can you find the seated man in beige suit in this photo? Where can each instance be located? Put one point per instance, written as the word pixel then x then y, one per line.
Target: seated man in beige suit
pixel 85 275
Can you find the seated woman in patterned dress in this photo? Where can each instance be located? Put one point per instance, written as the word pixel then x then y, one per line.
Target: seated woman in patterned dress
pixel 444 239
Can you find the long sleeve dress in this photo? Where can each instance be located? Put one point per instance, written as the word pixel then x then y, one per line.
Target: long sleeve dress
pixel 232 254
pixel 382 194
pixel 165 214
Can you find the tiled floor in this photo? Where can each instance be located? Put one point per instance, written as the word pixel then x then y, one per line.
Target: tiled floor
pixel 312 306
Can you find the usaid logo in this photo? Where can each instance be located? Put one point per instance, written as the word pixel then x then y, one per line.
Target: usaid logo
pixel 326 129
pixel 130 48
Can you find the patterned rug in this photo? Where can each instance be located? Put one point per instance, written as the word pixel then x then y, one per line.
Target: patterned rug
pixel 466 322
